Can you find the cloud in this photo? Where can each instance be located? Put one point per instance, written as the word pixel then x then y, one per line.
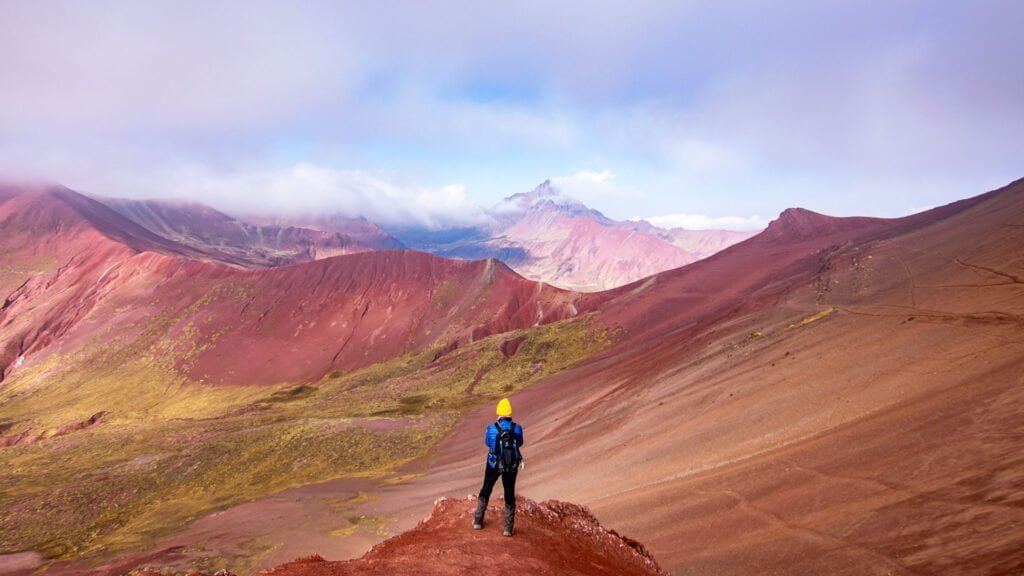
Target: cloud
pixel 705 222
pixel 589 186
pixel 415 116
pixel 698 105
pixel 305 189
pixel 601 180
pixel 159 70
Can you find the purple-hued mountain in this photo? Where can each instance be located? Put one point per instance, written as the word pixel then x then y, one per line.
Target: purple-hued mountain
pixel 548 236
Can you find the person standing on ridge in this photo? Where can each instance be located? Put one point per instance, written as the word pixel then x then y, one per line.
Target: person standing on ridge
pixel 504 460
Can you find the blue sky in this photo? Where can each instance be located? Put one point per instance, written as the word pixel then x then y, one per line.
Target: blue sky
pixel 686 112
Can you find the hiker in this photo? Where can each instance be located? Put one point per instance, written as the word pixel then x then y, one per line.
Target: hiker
pixel 504 460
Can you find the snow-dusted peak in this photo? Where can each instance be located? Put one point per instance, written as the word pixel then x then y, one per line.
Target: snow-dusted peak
pixel 545 197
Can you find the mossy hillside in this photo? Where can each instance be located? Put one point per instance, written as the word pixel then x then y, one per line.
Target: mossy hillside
pixel 418 384
pixel 172 451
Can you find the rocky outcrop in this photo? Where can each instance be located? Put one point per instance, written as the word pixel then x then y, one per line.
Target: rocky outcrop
pixel 551 537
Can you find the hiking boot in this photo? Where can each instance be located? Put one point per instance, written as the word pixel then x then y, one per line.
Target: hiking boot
pixel 510 519
pixel 478 514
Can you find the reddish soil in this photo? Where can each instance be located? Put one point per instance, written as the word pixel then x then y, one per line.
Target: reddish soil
pixel 19 564
pixel 551 538
pixel 510 347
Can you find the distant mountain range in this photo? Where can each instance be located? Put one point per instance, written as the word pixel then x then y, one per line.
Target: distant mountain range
pixel 548 236
pixel 255 242
pixel 543 235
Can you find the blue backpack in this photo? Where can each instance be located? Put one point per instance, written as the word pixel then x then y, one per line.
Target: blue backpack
pixel 506 449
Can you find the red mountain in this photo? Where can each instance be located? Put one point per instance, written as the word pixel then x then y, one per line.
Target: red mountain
pixel 81 274
pixel 56 242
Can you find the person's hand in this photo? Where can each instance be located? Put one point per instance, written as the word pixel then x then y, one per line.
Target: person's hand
pixel 522 464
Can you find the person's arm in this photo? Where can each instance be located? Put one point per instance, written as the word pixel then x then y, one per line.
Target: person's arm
pixel 489 438
pixel 519 435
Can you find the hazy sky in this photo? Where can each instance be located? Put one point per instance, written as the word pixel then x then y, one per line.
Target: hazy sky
pixel 686 112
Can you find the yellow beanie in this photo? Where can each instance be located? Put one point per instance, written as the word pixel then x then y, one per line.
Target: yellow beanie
pixel 504 407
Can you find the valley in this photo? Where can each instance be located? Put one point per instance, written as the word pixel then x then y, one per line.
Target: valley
pixel 834 392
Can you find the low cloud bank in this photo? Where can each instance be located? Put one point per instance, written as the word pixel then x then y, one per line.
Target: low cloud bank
pixel 705 222
pixel 302 189
pixel 309 189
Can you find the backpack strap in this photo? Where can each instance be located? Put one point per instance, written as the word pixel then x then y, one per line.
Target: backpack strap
pixel 497 436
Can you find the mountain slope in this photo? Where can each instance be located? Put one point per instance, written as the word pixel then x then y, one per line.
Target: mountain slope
pixel 56 248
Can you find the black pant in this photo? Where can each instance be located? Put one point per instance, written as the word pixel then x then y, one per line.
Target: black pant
pixel 508 480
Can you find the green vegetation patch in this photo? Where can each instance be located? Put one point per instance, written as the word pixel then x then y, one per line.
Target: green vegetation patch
pixel 414 385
